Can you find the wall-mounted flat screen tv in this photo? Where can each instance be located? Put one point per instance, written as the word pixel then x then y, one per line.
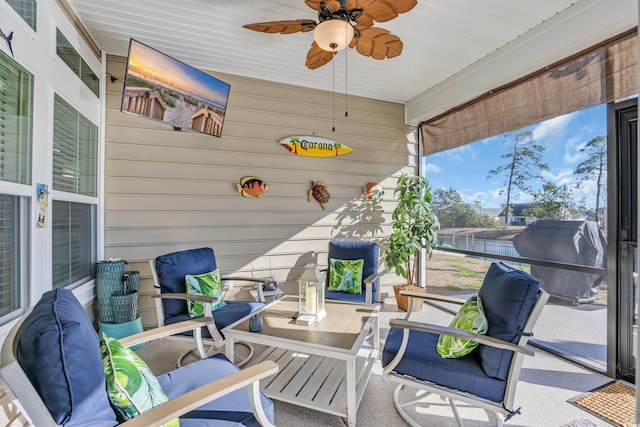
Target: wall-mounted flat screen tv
pixel 162 88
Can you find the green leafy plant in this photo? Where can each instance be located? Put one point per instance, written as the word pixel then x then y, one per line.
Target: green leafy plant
pixel 414 226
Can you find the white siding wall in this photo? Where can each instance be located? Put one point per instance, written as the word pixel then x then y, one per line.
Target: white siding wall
pixel 169 190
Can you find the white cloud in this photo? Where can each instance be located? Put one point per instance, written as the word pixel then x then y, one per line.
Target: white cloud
pixel 552 128
pixel 486 198
pixel 497 196
pixel 564 176
pixel 432 168
pixel 586 191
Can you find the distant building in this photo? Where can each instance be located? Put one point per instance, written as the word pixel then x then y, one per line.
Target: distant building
pixel 490 212
pixel 517 216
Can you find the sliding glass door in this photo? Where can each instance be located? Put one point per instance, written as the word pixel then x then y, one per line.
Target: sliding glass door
pixel 623 119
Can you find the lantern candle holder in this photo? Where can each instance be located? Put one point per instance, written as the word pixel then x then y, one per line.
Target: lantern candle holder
pixel 310 296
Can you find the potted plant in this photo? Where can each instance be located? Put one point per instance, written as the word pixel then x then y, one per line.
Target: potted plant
pixel 414 227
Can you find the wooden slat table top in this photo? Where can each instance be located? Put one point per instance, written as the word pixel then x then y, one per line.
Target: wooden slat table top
pixel 342 327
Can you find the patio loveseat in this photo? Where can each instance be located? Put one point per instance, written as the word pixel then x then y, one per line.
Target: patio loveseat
pixel 52 362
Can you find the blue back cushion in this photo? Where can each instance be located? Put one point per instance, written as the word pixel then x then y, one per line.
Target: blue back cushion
pixel 59 350
pixel 172 268
pixel 508 294
pixel 352 250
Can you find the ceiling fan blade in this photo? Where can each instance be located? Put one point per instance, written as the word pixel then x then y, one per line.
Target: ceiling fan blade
pixel 334 5
pixel 317 57
pixel 364 19
pixel 380 10
pixel 283 27
pixel 377 43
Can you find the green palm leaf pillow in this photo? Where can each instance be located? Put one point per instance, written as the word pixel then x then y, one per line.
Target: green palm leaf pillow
pixel 131 386
pixel 207 284
pixel 346 275
pixel 470 318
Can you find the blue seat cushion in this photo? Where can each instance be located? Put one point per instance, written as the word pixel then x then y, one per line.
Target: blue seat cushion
pixel 422 361
pixel 232 409
pixel 345 296
pixel 59 350
pixel 224 316
pixel 508 295
pixel 353 250
pixel 173 267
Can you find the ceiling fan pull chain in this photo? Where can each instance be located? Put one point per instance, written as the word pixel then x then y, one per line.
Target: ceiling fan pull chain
pixel 333 96
pixel 346 81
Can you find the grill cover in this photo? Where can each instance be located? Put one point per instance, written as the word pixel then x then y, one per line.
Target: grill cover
pixel 574 242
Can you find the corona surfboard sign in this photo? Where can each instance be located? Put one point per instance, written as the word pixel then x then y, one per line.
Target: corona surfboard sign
pixel 314 146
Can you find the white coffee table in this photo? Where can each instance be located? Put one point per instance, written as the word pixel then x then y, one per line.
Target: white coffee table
pixel 325 366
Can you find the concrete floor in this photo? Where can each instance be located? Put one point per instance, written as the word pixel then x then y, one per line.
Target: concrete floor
pixel 546 384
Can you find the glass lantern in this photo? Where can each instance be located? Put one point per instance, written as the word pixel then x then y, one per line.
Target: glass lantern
pixel 311 295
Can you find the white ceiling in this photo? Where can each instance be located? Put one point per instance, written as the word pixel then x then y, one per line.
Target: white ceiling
pixel 442 39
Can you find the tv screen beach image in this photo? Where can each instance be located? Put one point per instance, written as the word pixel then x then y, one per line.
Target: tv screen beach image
pixel 162 88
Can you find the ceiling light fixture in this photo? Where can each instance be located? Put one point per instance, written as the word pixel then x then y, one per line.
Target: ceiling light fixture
pixel 333 34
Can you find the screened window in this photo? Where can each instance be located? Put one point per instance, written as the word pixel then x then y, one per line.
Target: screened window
pixel 16 117
pixel 10 245
pixel 537 193
pixel 75 145
pixel 73 59
pixel 485 193
pixel 535 198
pixel 73 234
pixel 26 9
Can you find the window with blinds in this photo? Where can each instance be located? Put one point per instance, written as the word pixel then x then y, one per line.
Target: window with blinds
pixel 73 234
pixel 16 121
pixel 9 254
pixel 75 147
pixel 26 9
pixel 75 165
pixel 16 134
pixel 72 58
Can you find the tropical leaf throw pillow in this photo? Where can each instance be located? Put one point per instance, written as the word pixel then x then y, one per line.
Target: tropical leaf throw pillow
pixel 131 386
pixel 346 275
pixel 207 284
pixel 470 318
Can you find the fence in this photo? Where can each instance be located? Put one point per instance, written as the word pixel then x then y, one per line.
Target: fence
pixel 469 242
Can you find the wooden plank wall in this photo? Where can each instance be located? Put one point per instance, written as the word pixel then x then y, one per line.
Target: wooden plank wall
pixel 168 190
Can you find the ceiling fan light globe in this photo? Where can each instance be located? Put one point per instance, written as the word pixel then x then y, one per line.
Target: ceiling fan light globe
pixel 333 35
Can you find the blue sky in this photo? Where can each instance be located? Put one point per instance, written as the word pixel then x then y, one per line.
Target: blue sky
pixel 466 168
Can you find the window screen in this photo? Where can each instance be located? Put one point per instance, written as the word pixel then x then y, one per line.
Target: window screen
pixel 72 58
pixel 75 146
pixel 9 254
pixel 73 233
pixel 26 9
pixel 16 117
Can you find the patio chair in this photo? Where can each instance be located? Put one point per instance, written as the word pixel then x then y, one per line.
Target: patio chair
pixel 486 377
pixel 354 250
pixel 169 272
pixel 53 363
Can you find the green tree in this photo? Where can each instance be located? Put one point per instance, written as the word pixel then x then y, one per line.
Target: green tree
pixel 449 207
pixel 523 166
pixel 594 167
pixel 452 211
pixel 553 202
pixel 413 226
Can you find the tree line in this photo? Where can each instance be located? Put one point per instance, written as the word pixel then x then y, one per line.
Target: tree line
pixel 522 168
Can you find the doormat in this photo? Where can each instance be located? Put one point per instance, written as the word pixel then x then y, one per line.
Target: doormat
pixel 614 402
pixel 580 423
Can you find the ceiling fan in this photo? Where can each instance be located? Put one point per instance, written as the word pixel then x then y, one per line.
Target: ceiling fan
pixel 343 23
